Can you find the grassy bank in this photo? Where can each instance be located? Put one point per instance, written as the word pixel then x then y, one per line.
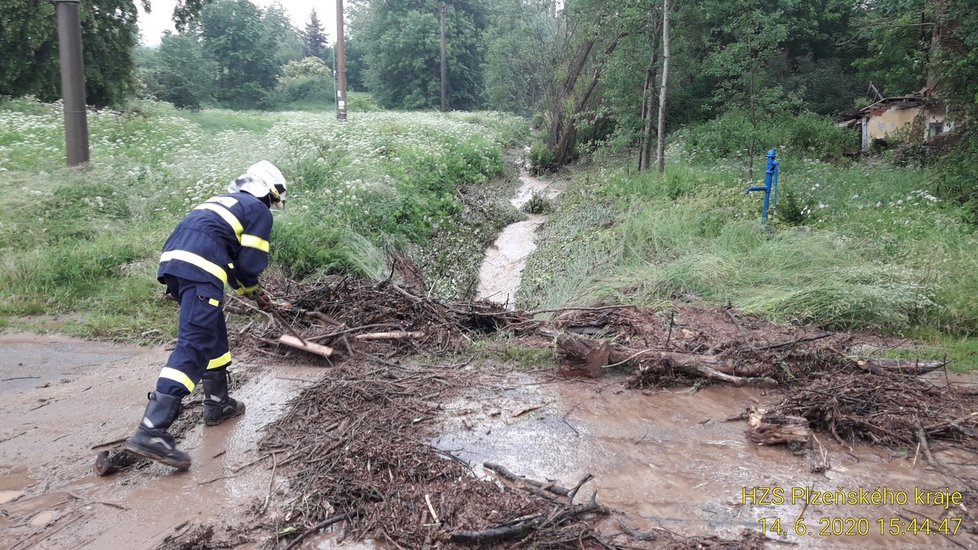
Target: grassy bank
pixel 852 246
pixel 80 248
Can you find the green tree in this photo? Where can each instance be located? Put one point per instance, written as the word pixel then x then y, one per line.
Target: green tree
pixel 314 38
pixel 896 35
pixel 286 40
pixel 235 37
pixel 589 36
pixel 29 50
pixel 305 80
pixel 180 73
pixel 401 40
pixel 357 19
pixel 521 42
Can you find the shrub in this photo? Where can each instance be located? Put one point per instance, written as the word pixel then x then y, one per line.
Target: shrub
pixel 806 135
pixel 307 79
pixel 541 158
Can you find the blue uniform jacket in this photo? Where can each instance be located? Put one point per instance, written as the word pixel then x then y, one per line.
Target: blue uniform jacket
pixel 222 241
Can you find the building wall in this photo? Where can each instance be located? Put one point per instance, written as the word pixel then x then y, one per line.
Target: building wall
pixel 881 125
pixel 890 121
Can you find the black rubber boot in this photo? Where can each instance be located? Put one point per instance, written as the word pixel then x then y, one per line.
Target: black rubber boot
pixel 151 439
pixel 218 405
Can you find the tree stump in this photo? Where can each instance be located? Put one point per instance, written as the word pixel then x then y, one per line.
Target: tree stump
pixel 581 357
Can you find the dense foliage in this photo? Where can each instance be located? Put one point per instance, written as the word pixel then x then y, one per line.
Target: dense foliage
pixel 29 49
pixel 403 53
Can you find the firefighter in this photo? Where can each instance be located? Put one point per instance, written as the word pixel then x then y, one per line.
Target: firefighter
pixel 223 241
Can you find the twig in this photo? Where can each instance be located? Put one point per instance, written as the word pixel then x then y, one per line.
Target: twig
pixel 20 378
pixel 354 329
pixel 629 358
pixel 271 481
pixel 672 316
pixel 110 443
pixel 12 437
pixel 573 492
pixel 504 473
pixel 922 437
pixel 529 409
pixel 434 516
pixel 321 525
pixel 397 335
pixel 956 421
pixel 601 308
pixel 733 318
pixel 216 479
pixel 794 342
pixel 243 466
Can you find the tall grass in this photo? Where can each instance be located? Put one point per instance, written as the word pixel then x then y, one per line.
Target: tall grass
pixel 868 247
pixel 83 245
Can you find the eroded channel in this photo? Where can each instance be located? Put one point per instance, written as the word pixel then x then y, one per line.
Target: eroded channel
pixel 502 268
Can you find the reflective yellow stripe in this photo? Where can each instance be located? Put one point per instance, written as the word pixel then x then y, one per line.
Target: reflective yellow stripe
pixel 254 242
pixel 226 214
pixel 221 361
pixel 246 289
pixel 213 302
pixel 227 202
pixel 177 376
pixel 196 260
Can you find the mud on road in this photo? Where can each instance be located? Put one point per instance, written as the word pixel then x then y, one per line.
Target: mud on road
pixel 86 394
pixel 665 462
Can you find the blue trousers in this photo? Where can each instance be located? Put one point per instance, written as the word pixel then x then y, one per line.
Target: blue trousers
pixel 202 343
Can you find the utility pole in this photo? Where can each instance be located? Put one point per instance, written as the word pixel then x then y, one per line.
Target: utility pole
pixel 73 82
pixel 441 11
pixel 340 64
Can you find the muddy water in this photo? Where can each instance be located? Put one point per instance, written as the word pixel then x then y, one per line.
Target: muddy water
pixel 669 459
pixel 502 268
pixel 21 367
pixel 49 497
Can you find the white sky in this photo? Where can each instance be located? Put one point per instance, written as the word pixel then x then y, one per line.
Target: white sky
pixel 152 25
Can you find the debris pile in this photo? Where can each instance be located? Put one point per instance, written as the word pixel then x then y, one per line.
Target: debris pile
pixel 354 446
pixel 358 317
pixel 827 384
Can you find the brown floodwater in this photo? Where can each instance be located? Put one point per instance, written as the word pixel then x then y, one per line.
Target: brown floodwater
pixel 502 268
pixel 664 458
pixel 79 394
pixel 670 459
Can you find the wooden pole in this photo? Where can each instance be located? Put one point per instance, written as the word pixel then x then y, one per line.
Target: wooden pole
pixel 73 82
pixel 340 64
pixel 441 11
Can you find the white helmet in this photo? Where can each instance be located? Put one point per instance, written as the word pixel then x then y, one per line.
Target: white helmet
pixel 261 179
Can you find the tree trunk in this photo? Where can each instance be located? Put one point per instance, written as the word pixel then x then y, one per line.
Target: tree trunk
pixel 661 147
pixel 936 42
pixel 564 91
pixel 651 75
pixel 564 141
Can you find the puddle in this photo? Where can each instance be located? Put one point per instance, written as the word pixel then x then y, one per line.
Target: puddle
pixel 502 268
pixel 49 497
pixel 669 459
pixel 22 367
pixel 333 540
